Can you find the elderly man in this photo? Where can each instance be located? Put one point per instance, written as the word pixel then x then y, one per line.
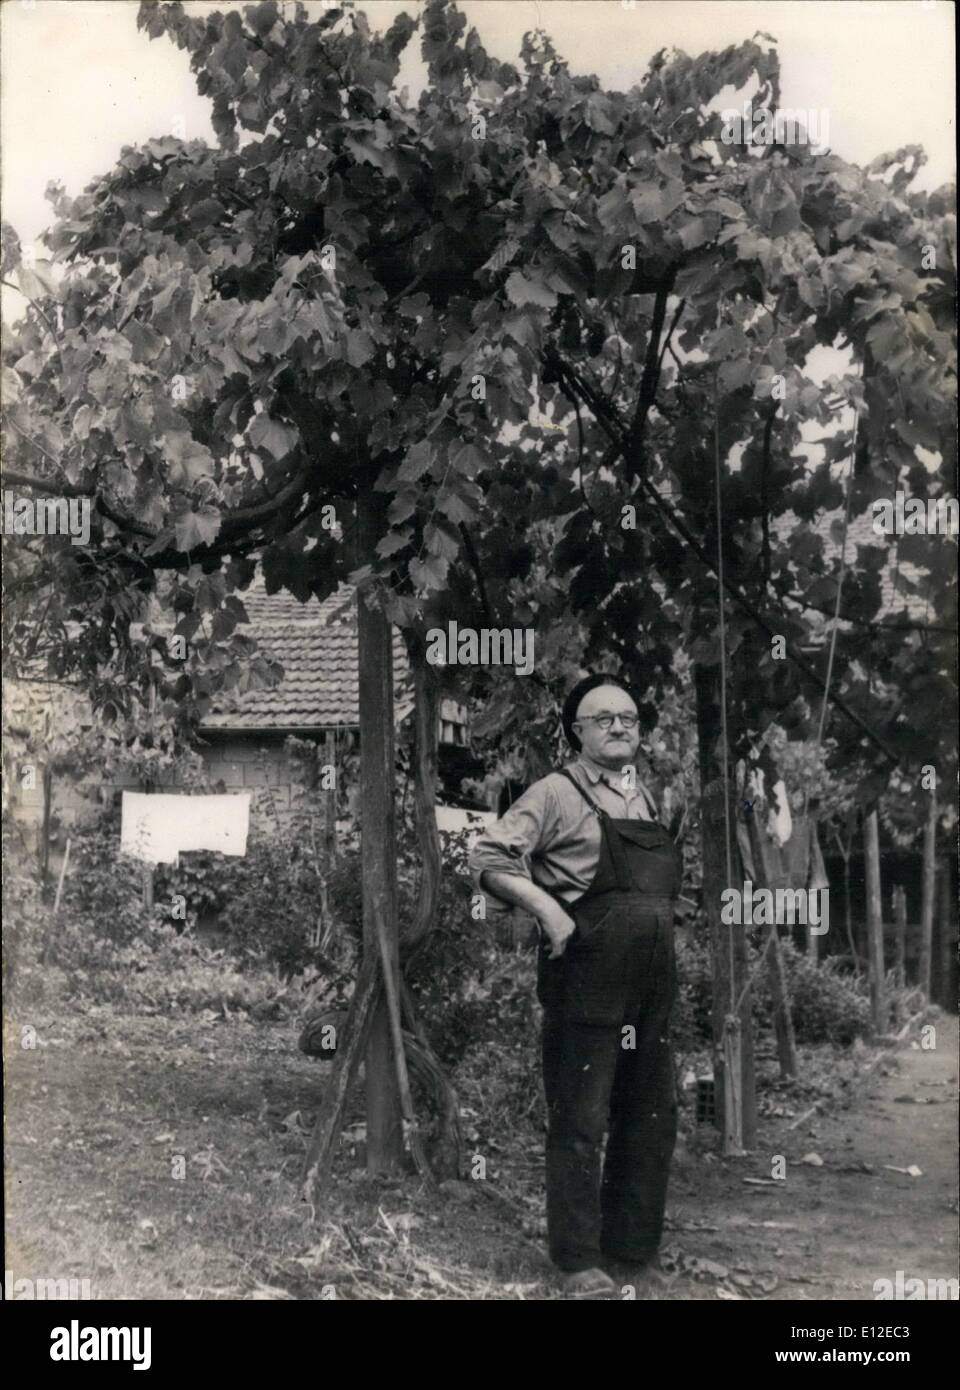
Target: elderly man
pixel 582 850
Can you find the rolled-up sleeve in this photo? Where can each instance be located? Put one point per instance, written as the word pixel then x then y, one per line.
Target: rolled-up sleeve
pixel 512 843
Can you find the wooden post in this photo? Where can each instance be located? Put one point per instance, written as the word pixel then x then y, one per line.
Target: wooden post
pixel 900 966
pixel 51 929
pixel 845 852
pixel 149 786
pixel 378 851
pixel 813 937
pixel 44 847
pixel 63 875
pixel 945 919
pixel 900 919
pixel 928 895
pixel 148 887
pixel 764 868
pixel 729 956
pixel 328 759
pixel 330 797
pixel 875 961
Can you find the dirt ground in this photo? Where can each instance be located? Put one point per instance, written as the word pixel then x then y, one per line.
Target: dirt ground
pixel 159 1158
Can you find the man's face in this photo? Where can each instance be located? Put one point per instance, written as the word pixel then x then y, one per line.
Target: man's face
pixel 613 747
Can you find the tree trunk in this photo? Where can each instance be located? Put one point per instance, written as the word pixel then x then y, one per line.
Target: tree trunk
pixel 426 714
pixel 928 896
pixel 378 852
pixel 728 945
pixel 875 962
pixel 447 1145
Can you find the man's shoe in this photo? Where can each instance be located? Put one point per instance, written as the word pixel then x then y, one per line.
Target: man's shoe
pixel 626 1271
pixel 589 1284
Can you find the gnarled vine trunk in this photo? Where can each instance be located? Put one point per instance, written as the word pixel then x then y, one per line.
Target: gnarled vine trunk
pixel 447 1143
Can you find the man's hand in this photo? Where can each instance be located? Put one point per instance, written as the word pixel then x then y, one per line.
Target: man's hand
pixel 558 926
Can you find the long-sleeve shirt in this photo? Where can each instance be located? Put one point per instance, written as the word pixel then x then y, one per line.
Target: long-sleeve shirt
pixel 551 836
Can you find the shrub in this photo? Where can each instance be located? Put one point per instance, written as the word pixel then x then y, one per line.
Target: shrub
pixel 272 903
pixel 827 1005
pixel 693 1011
pixel 201 879
pixel 103 890
pixel 162 970
pixel 26 917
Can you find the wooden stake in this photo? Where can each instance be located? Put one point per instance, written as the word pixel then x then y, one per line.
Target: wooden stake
pixel 56 904
pixel 63 874
pixel 875 961
pixel 732 1100
pixel 845 852
pixel 149 786
pixel 946 917
pixel 46 782
pixel 928 896
pixel 330 798
pixel 729 958
pixel 900 958
pixel 400 1056
pixel 900 919
pixel 350 1048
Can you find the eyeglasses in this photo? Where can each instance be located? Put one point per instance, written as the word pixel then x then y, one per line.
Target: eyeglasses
pixel 605 721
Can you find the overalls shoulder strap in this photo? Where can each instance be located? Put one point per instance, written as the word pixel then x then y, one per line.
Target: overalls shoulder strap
pixel 597 811
pixel 651 804
pixel 611 847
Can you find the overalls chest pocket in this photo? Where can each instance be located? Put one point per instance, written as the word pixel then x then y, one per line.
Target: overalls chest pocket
pixel 647 834
pixel 653 858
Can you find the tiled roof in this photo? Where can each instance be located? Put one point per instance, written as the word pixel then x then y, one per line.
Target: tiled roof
pixel 316 643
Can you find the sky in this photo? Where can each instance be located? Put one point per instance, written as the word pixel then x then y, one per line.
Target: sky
pixel 79 81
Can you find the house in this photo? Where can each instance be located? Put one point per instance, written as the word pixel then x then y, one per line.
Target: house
pixel 242 740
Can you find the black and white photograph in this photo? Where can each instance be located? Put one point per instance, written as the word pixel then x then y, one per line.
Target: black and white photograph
pixel 480 704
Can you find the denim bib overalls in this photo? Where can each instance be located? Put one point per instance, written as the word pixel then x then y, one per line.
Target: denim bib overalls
pixel 607 1064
